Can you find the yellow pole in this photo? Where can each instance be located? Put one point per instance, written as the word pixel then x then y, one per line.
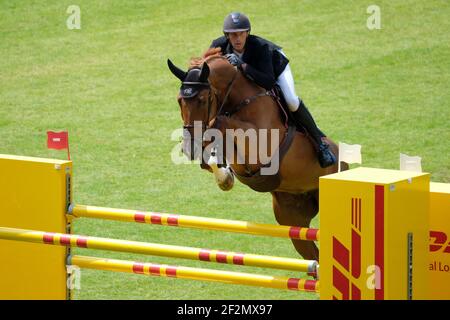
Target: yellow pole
pixel 254 260
pixel 169 219
pixel 229 277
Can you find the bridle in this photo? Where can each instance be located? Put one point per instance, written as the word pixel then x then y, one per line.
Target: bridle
pixel 213 95
pixel 235 109
pixel 200 84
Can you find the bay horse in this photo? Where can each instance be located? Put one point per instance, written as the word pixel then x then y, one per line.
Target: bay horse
pixel 218 95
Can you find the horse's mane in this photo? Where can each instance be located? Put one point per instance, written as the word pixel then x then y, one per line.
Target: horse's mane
pixel 210 54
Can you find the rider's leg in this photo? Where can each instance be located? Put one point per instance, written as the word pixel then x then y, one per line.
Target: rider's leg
pixel 304 118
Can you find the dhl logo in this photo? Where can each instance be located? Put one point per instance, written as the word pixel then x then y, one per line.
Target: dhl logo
pixel 349 260
pixel 438 242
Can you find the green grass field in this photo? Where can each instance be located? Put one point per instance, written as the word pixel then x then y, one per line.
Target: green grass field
pixel 109 86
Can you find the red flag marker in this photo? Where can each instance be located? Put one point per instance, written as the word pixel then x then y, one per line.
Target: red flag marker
pixel 58 140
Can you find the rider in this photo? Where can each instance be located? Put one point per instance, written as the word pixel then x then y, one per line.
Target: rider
pixel 265 63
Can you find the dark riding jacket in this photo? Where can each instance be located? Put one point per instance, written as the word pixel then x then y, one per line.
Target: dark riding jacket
pixel 264 62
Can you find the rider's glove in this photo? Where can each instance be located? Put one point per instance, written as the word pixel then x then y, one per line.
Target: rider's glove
pixel 234 59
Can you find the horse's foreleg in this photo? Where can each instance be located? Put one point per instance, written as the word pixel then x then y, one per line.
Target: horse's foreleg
pixel 241 143
pixel 215 151
pixel 297 210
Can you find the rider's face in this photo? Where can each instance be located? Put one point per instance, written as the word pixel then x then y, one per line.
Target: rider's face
pixel 238 39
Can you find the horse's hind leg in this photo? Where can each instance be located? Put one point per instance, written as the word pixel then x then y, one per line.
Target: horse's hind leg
pixel 298 210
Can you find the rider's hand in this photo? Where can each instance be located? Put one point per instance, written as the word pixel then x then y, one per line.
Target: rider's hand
pixel 234 59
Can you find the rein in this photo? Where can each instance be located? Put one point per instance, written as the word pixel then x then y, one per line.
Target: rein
pixel 244 102
pixel 234 109
pixel 230 86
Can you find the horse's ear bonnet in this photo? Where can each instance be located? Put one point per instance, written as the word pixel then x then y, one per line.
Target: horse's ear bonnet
pixel 191 85
pixel 192 81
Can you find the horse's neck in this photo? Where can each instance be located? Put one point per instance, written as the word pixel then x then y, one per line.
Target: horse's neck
pixel 262 112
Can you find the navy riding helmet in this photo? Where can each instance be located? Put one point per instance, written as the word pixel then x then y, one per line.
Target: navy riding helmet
pixel 236 22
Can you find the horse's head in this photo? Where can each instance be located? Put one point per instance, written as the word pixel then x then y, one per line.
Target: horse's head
pixel 201 89
pixel 196 106
pixel 204 93
pixel 198 101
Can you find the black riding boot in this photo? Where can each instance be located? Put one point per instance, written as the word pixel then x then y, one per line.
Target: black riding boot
pixel 305 119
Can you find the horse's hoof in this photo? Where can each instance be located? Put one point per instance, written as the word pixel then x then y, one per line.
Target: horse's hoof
pixel 226 180
pixel 227 183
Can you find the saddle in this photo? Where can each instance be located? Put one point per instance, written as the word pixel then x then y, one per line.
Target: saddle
pixel 285 113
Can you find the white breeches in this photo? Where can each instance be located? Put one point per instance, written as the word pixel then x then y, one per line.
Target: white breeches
pixel 286 83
